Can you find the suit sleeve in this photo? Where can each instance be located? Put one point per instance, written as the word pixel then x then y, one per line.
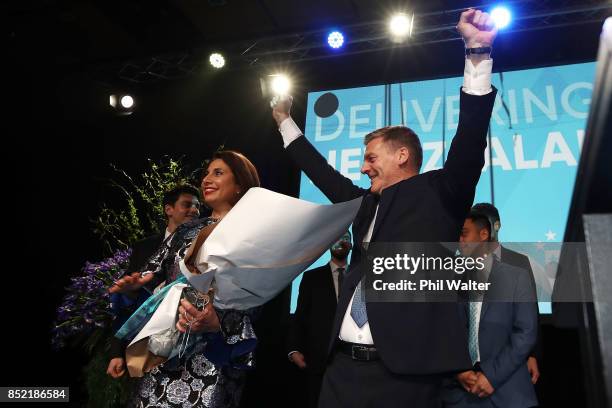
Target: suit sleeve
pixel 299 323
pixel 523 337
pixel 135 260
pixel 466 155
pixel 117 348
pixel 334 185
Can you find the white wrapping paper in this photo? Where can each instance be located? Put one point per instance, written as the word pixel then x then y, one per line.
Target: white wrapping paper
pixel 263 243
pixel 164 316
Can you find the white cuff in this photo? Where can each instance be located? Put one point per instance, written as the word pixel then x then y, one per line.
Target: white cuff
pixel 289 130
pixel 477 79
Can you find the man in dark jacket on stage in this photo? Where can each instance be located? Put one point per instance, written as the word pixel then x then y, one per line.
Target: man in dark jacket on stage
pixel 311 326
pixel 395 354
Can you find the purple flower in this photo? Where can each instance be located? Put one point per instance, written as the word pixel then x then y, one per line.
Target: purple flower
pixel 86 306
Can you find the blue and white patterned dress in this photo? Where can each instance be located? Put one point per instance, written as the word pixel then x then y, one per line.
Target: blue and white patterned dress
pixel 213 373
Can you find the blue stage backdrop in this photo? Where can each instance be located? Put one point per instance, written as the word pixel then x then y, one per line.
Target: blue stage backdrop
pixel 537 131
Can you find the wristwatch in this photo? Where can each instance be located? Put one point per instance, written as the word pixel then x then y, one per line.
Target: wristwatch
pixel 478 50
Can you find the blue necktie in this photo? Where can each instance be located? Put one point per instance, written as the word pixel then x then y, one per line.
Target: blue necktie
pixel 473 332
pixel 358 309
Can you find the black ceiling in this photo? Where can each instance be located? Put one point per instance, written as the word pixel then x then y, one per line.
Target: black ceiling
pixel 85 33
pixel 94 31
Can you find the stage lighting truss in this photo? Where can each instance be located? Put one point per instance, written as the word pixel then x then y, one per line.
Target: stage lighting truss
pixel 528 15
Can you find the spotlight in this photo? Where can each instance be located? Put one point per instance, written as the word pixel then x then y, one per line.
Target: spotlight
pixel 216 60
pixel 400 26
pixel 335 39
pixel 122 103
pixel 275 84
pixel 501 16
pixel 127 101
pixel 280 84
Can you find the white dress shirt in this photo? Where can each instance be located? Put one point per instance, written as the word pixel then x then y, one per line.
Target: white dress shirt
pixel 476 81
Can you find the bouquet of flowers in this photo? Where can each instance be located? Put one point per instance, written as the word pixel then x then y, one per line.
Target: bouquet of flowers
pixel 87 305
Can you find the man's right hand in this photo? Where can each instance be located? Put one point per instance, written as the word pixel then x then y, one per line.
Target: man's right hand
pixel 116 367
pixel 281 107
pixel 297 358
pixel 534 371
pixel 130 283
pixel 467 379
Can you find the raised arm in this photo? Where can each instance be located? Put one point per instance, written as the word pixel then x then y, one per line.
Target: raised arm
pixel 466 154
pixel 333 184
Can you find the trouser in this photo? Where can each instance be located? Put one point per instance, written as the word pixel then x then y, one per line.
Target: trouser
pixel 368 384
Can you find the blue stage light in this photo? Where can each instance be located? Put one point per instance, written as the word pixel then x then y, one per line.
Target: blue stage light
pixel 335 39
pixel 501 16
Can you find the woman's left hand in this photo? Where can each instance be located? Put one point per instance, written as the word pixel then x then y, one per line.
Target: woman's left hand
pixel 200 321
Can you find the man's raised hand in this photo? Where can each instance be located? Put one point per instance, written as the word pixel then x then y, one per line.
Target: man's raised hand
pixel 477 29
pixel 281 107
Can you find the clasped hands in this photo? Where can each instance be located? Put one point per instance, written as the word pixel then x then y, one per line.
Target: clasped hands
pixel 475 383
pixel 205 320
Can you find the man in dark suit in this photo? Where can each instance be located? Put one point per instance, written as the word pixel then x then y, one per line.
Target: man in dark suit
pixel 395 354
pixel 310 329
pixel 502 325
pixel 181 204
pixel 513 258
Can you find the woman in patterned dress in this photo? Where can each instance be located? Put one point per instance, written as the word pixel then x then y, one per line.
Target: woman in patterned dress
pixel 212 375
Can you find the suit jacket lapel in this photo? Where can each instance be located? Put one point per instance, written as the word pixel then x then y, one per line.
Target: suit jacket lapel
pixel 386 199
pixel 363 218
pixel 485 298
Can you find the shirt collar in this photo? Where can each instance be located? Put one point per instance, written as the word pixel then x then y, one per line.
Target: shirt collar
pixel 497 252
pixel 334 267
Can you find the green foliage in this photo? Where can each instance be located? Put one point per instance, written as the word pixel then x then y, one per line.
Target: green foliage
pixel 133 212
pixel 103 390
pixel 139 212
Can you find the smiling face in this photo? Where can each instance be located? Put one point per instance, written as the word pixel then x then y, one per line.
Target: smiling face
pixel 185 209
pixel 219 186
pixel 384 164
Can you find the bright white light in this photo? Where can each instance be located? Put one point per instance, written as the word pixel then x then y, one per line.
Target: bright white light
pixel 335 39
pixel 127 101
pixel 501 16
pixel 280 85
pixel 400 26
pixel 112 100
pixel 216 60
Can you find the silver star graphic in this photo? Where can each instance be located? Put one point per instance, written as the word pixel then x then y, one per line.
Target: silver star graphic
pixel 550 236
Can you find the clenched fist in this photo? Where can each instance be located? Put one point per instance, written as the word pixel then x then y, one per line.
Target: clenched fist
pixel 281 107
pixel 477 28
